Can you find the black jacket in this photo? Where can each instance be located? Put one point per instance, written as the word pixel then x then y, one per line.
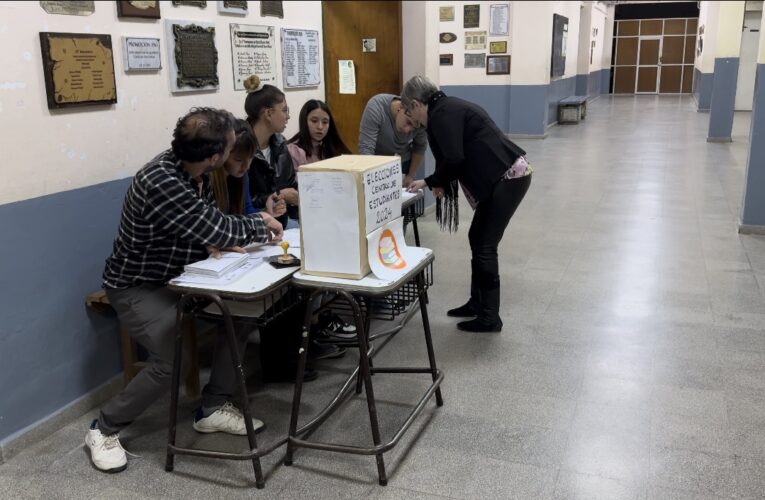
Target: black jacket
pixel 268 178
pixel 467 145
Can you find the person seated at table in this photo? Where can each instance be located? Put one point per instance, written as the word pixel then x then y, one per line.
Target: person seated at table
pixel 271 174
pixel 168 220
pixel 318 139
pixel 230 184
pixel 385 129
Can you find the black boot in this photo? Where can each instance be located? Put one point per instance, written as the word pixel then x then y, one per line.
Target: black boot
pixel 467 310
pixel 472 306
pixel 488 319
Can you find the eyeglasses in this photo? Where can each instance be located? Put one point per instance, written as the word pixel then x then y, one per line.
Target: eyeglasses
pixel 408 109
pixel 285 109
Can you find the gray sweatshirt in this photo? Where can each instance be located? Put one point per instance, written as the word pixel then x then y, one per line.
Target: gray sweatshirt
pixel 378 134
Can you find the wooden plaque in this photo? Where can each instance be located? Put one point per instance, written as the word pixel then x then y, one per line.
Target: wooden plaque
pixel 446 59
pixel 472 16
pixel 447 37
pixel 78 69
pixel 138 8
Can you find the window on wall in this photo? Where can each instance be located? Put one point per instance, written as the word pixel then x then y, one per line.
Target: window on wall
pixel 654 56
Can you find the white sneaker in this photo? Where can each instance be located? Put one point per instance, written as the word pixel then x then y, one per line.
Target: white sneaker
pixel 106 452
pixel 227 419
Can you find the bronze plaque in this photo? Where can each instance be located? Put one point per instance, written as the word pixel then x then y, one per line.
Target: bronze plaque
pixel 195 3
pixel 472 16
pixel 78 68
pixel 195 56
pixel 273 9
pixel 446 14
pixel 75 8
pixel 446 59
pixel 447 37
pixel 138 8
pixel 498 47
pixel 233 4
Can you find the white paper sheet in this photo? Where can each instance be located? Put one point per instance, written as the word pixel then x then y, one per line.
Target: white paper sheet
pixel 347 76
pixel 334 193
pixel 389 257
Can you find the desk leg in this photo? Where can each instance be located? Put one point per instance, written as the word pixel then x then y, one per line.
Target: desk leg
pixel 175 384
pixel 367 325
pixel 303 356
pixel 363 337
pixel 428 338
pixel 237 361
pixel 415 229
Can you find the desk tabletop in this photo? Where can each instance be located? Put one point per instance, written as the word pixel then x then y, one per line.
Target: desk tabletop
pixel 255 283
pixel 370 284
pixel 408 199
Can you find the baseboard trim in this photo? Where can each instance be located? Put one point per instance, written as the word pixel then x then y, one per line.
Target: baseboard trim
pixel 36 432
pixel 527 136
pixel 751 229
pixel 719 139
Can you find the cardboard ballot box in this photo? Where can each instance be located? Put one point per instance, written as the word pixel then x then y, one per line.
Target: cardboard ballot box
pixel 343 199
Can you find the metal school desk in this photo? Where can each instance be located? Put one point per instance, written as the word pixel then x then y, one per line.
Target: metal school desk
pixel 270 292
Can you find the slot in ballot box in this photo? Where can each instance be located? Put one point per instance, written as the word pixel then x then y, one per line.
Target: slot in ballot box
pixel 343 199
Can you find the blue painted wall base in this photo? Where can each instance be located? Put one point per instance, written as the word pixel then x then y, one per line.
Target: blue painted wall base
pixel 702 89
pixel 723 99
pixel 753 213
pixel 52 349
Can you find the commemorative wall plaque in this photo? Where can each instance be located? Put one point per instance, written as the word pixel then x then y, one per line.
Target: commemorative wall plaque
pixel 78 69
pixel 447 37
pixel 195 56
pixel 233 7
pixel 74 8
pixel 138 8
pixel 273 9
pixel 472 16
pixel 194 3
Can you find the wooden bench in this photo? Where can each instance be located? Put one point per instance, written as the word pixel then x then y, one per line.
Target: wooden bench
pixel 131 365
pixel 572 109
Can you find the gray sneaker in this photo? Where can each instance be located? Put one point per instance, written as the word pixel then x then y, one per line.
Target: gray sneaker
pixel 226 419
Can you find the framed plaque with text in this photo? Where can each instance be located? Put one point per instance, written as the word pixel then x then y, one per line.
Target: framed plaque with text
pixel 194 3
pixel 499 47
pixel 471 16
pixel 78 69
pixel 274 9
pixel 69 8
pixel 498 65
pixel 446 59
pixel 138 8
pixel 233 7
pixel 192 55
pixel 141 54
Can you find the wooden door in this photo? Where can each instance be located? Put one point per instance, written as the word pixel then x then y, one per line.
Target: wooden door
pixel 346 25
pixel 648 65
pixel 672 53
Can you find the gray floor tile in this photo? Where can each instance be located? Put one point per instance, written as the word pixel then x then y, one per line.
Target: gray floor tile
pixel 630 366
pixel 573 486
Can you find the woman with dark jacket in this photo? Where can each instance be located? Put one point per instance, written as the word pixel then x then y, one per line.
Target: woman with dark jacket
pixel 470 149
pixel 272 177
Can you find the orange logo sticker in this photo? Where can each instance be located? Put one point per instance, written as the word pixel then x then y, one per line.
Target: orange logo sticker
pixel 387 251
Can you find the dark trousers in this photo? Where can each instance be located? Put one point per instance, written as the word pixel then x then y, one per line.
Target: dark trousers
pixel 489 222
pixel 148 313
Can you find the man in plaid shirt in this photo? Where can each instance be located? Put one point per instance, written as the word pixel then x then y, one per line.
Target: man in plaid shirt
pixel 169 219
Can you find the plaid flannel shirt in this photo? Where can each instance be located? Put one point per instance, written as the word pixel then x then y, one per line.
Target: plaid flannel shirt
pixel 166 224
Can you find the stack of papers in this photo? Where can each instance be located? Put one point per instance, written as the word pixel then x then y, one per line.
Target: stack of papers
pixel 216 268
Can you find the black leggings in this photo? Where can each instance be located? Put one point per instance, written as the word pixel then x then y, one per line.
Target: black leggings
pixel 489 222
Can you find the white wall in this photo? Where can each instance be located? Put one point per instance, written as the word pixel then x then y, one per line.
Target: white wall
pixel 599 22
pixel 46 152
pixel 458 74
pixel 709 17
pixel 420 28
pixel 608 38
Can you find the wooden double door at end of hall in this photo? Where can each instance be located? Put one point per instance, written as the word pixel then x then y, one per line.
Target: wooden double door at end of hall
pixel 346 25
pixel 654 56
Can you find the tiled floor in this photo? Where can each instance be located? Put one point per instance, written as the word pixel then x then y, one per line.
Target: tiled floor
pixel 632 363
